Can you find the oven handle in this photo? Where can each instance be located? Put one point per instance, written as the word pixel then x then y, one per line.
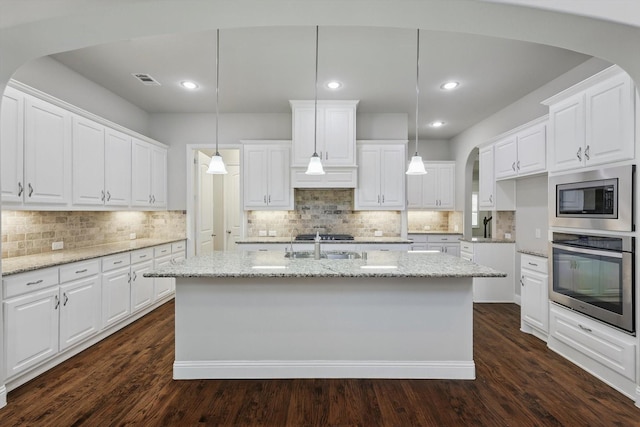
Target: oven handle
pixel 608 254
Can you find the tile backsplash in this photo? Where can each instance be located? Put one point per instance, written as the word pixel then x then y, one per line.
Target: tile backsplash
pixel 445 221
pixel 33 232
pixel 505 223
pixel 325 211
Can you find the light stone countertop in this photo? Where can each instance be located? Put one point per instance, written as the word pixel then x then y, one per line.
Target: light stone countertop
pixel 281 240
pixel 26 263
pixel 486 240
pixel 454 233
pixel 534 253
pixel 274 264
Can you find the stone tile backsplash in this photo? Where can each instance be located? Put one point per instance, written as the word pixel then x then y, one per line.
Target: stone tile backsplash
pixel 505 223
pixel 33 232
pixel 324 211
pixel 445 221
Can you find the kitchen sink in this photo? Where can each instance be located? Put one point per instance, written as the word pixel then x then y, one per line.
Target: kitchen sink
pixel 324 255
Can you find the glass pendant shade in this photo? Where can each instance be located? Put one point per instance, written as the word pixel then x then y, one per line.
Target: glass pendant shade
pixel 315 166
pixel 416 167
pixel 216 165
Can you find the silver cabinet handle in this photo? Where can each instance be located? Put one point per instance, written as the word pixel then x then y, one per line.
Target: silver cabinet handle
pixel 522 280
pixel 586 153
pixel 269 198
pixel 129 275
pixel 108 196
pixel 57 303
pixel 135 276
pixel 513 166
pixel 378 199
pixel 579 153
pixel 20 189
pixel 491 198
pixel 584 328
pixel 30 189
pixel 117 262
pixel 533 264
pixel 102 197
pixel 66 299
pixel 383 198
pixel 264 198
pixel 143 256
pixel 81 271
pixel 35 283
pixel 149 198
pixel 518 166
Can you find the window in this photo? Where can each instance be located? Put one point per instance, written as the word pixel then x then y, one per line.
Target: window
pixel 474 210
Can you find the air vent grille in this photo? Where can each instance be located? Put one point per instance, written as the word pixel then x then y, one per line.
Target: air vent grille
pixel 146 79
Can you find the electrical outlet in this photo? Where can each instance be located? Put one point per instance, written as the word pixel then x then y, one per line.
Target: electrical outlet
pixel 456 228
pixel 538 233
pixel 56 246
pixel 427 227
pixel 273 233
pixel 132 236
pixel 377 233
pixel 507 235
pixel 262 233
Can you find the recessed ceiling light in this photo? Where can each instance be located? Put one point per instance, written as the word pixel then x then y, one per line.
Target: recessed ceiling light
pixel 334 85
pixel 187 84
pixel 449 85
pixel 436 124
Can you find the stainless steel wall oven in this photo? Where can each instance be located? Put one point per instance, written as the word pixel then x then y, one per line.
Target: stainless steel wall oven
pixel 594 275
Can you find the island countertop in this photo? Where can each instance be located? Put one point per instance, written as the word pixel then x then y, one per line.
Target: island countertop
pixel 275 264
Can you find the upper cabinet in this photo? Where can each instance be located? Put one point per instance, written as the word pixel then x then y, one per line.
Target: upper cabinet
pixel 381 175
pixel 592 122
pixel 335 142
pixel 435 190
pixel 486 180
pixel 265 169
pixel 523 152
pixel 149 174
pixel 12 146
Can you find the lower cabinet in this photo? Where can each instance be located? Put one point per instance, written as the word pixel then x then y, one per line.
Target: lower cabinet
pixel 445 243
pixel 116 289
pixel 141 287
pixel 498 255
pixel 534 282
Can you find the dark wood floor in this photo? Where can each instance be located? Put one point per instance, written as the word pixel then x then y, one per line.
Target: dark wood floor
pixel 126 380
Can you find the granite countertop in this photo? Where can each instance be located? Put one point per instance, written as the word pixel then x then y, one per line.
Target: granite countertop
pixel 486 240
pixel 455 233
pixel 534 253
pixel 51 259
pixel 281 240
pixel 274 264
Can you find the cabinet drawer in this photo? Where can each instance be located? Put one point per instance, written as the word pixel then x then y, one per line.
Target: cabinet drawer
pixel 535 263
pixel 178 246
pixel 162 250
pixel 607 346
pixel 466 247
pixel 79 270
pixel 115 261
pixel 418 238
pixel 141 255
pixel 443 238
pixel 29 282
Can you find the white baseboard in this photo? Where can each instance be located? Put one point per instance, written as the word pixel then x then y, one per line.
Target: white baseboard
pixel 189 370
pixel 3 396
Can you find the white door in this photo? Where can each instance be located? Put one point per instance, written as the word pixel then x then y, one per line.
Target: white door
pixel 532 150
pixel 506 157
pixel 487 184
pixel 12 145
pixel 392 161
pixel 232 212
pixel 414 190
pixel 430 189
pixel 158 177
pixel 567 133
pixel 141 287
pixel 204 206
pixel 88 162
pixel 140 173
pixel 79 310
pixel 446 186
pixel 117 168
pixel 162 286
pixel 278 177
pixel 535 301
pixel 369 175
pixel 339 136
pixel 116 296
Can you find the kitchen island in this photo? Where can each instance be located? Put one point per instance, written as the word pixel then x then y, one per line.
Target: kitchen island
pixel 262 315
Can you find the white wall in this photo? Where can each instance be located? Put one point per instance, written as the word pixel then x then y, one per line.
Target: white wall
pixel 50 76
pixel 532 213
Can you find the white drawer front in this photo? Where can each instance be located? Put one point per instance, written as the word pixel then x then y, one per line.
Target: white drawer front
pixel 115 261
pixel 141 255
pixel 443 238
pixel 612 348
pixel 178 246
pixel 418 238
pixel 534 263
pixel 78 270
pixel 466 247
pixel 28 282
pixel 162 250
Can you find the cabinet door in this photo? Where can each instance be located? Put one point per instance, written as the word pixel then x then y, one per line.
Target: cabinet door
pixel 140 173
pixel 567 133
pixel 47 153
pixel 368 191
pixel 430 190
pixel 303 124
pixel 535 301
pixel 141 287
pixel 158 177
pixel 392 172
pixel 278 179
pixel 31 327
pixel 610 122
pixel 254 174
pixel 487 184
pixel 452 249
pixel 12 146
pixel 162 286
pixel 446 186
pixel 79 310
pixel 88 162
pixel 117 168
pixel 414 191
pixel 506 158
pixel 339 136
pixel 532 150
pixel 116 296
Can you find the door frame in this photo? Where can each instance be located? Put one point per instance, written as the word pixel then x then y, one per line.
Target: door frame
pixel 192 170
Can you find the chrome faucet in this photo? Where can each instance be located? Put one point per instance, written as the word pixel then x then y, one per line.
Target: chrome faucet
pixel 291 238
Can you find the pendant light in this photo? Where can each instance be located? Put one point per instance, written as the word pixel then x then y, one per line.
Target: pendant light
pixel 315 163
pixel 216 166
pixel 416 167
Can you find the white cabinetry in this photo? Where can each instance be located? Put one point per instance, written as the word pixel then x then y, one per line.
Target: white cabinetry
pixel 381 176
pixel 592 122
pixel 445 243
pixel 493 195
pixel 148 174
pixel 534 282
pixel 435 190
pixel 116 289
pixel 266 171
pixel 522 153
pixel 162 286
pixel 141 287
pixel 500 256
pixel 12 146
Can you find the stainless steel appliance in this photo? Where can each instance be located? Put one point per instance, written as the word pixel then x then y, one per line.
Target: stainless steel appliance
pixel 595 276
pixel 599 199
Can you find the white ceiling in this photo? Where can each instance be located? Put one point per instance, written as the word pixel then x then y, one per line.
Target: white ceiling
pixel 261 69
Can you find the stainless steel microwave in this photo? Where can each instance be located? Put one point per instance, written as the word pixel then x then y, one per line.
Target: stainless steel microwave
pixel 598 200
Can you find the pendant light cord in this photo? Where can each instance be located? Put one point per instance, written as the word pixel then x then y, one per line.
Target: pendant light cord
pixel 417 85
pixel 217 83
pixel 315 104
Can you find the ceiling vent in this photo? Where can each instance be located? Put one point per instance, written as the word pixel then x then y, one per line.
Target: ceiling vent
pixel 146 79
